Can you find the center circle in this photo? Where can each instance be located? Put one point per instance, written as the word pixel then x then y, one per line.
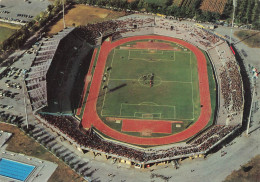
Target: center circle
pixel 149 80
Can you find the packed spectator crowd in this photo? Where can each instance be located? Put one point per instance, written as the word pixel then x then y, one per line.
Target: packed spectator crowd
pixel 140 25
pixel 231 87
pixel 225 87
pixel 91 32
pixel 236 86
pixel 91 140
pixel 135 22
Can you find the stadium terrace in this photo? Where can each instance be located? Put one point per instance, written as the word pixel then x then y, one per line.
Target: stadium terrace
pixel 81 85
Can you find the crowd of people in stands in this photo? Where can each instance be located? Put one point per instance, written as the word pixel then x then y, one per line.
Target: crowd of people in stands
pixel 89 139
pixel 231 87
pixel 217 132
pixel 132 22
pixel 121 26
pixel 91 32
pixel 204 35
pixel 225 87
pixel 236 86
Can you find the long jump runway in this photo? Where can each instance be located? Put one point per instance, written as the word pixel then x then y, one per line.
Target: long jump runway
pixel 91 118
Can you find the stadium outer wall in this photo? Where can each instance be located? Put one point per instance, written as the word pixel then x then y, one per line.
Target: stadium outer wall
pixel 93 120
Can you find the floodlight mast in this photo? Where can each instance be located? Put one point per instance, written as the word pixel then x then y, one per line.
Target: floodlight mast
pixel 251 107
pixel 249 118
pixel 25 105
pixel 63 14
pixel 231 30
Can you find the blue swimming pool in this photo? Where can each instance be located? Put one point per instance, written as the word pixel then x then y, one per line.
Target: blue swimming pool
pixel 15 170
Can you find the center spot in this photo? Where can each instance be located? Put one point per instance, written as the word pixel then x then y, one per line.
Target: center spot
pixel 149 80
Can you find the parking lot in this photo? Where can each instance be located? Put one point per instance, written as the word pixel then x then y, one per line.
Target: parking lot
pixel 12 84
pixel 21 11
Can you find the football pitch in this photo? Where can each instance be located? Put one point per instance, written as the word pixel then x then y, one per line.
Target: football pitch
pixel 150 79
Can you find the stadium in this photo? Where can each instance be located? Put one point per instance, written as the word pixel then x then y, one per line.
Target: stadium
pixel 141 89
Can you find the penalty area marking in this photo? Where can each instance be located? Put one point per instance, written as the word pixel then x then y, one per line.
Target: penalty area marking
pixel 149 104
pixel 150 60
pixel 151 51
pixel 147 115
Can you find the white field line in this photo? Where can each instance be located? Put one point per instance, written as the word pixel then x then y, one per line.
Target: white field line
pixel 129 56
pixel 192 89
pixel 176 81
pixel 151 105
pixel 107 82
pixel 161 81
pixel 138 79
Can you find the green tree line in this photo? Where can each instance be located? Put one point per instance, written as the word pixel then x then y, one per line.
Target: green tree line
pixel 248 12
pixel 18 39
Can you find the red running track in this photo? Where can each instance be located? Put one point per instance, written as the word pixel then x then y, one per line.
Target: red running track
pixel 90 116
pixel 152 126
pixel 87 81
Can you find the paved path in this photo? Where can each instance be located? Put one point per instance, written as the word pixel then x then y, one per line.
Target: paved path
pixel 214 168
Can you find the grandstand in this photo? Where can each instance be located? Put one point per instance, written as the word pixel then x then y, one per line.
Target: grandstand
pixel 36 77
pixel 49 76
pixel 52 74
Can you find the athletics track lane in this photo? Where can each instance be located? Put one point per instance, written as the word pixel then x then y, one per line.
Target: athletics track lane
pixel 87 81
pixel 144 126
pixel 90 116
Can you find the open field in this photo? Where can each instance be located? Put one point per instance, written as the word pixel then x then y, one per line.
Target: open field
pixel 213 6
pixel 247 173
pixel 21 143
pixel 82 15
pixel 6 30
pixel 250 38
pixel 154 83
pixel 5 33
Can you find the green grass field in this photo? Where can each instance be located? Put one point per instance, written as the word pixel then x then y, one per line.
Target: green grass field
pixel 126 92
pixel 212 89
pixel 5 33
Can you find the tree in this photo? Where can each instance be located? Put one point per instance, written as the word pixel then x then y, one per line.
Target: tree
pixel 248 15
pixel 49 8
pixel 255 12
pixel 140 4
pixel 133 5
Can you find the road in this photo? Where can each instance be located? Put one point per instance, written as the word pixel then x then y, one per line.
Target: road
pixel 214 168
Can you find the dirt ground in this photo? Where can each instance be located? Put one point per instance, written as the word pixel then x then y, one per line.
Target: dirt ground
pixel 250 38
pixel 82 15
pixel 21 143
pixel 247 173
